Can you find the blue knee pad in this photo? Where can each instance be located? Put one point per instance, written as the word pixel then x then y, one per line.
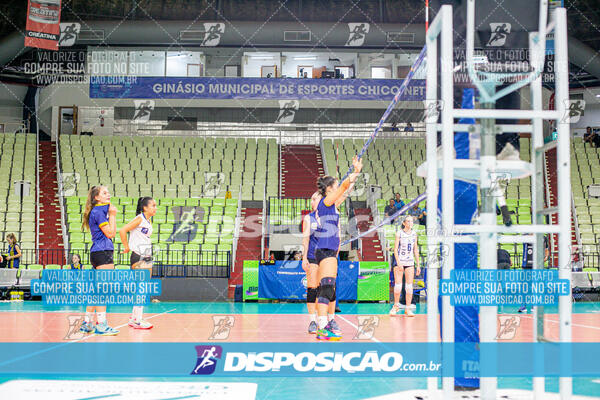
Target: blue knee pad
pixel 326 290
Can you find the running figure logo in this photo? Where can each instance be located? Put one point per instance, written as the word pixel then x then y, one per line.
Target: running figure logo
pixel 143 109
pixel 212 35
pixel 68 34
pixel 207 359
pixel 186 225
pixel 75 322
pixel 222 327
pixel 499 33
pixel 574 111
pixel 360 187
pixel 508 325
pixel 433 109
pixel 358 33
pixel 287 111
pixel 69 181
pixel 366 327
pixel 213 182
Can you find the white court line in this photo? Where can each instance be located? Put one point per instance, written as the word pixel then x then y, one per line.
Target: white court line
pixel 118 327
pixel 356 327
pixel 558 322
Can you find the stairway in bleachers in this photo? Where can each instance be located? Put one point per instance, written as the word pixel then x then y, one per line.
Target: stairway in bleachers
pixel 248 246
pixel 371 247
pixel 50 229
pixel 301 166
pixel 553 188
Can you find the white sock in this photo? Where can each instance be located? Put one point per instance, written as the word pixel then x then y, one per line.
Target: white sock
pixel 322 322
pixel 137 313
pixel 330 316
pixel 101 316
pixel 313 317
pixel 88 317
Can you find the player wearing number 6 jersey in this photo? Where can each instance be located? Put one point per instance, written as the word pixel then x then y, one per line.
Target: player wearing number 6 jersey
pixel 406 254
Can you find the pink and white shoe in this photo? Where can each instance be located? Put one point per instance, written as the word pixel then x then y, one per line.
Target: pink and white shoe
pixel 142 324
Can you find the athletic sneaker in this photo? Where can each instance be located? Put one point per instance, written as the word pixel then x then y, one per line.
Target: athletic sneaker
pixel 104 329
pixel 523 309
pixel 86 327
pixel 327 334
pixel 395 309
pixel 408 312
pixel 334 327
pixel 143 324
pixel 313 327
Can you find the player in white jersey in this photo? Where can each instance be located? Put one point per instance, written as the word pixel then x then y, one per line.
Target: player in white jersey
pixel 406 254
pixel 140 244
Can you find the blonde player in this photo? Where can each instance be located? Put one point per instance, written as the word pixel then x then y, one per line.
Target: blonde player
pixel 140 231
pixel 406 253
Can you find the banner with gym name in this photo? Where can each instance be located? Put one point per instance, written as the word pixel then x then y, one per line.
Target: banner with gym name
pixel 132 87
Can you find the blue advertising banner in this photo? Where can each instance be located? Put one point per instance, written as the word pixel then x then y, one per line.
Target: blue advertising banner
pixel 285 359
pixel 130 87
pixel 287 280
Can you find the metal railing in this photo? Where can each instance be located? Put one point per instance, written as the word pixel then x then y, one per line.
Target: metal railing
pixel 288 207
pixel 590 259
pixel 167 263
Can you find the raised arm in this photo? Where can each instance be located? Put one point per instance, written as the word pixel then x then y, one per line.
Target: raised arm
pixel 345 195
pixel 333 197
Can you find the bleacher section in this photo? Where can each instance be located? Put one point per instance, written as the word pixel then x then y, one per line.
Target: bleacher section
pixel 173 167
pixel 17 163
pixel 389 163
pixel 289 211
pixel 584 172
pixel 211 228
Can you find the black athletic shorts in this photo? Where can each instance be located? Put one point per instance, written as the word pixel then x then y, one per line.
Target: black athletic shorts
pixel 102 257
pixel 312 260
pixel 136 258
pixel 321 254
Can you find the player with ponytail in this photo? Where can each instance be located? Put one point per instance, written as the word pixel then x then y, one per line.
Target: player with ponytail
pixel 140 245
